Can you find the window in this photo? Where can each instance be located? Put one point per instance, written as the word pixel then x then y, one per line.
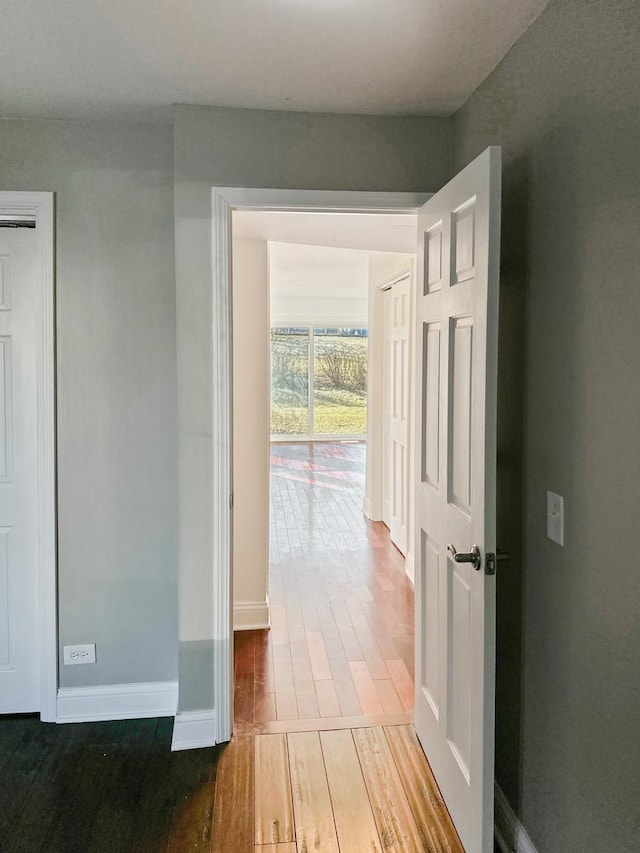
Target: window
pixel 318 382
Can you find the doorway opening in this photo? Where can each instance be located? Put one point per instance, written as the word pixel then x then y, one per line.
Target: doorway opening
pixel 455 423
pixel 323 602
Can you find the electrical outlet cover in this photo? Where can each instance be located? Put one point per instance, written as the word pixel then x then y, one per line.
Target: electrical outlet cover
pixel 79 654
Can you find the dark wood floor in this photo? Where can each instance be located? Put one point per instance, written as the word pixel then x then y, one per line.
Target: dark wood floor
pixel 102 788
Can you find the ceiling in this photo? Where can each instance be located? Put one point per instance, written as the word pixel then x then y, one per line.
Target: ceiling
pixel 379 232
pixel 333 273
pixel 124 59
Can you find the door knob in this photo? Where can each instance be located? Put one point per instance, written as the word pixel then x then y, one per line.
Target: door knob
pixel 473 557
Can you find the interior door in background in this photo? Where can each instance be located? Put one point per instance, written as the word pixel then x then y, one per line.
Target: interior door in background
pixel 19 331
pixel 387 482
pixel 399 332
pixel 457 340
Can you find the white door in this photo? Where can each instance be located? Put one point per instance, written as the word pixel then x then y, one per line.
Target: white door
pixel 386 409
pixel 457 336
pixel 19 330
pixel 399 325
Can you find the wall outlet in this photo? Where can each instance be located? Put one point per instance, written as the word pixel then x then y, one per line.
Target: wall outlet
pixel 555 518
pixel 79 654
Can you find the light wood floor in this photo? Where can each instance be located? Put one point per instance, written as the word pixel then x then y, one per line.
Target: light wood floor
pixel 364 790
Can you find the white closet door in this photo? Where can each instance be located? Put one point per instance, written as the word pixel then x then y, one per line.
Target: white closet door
pixel 19 629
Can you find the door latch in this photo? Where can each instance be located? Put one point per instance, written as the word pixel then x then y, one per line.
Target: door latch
pixel 491 559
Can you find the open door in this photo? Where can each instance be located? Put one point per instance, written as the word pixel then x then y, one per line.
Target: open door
pixel 457 337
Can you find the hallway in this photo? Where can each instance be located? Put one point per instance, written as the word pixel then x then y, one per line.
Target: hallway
pixel 340 650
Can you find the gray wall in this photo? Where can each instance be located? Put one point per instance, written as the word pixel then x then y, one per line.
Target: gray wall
pixel 564 103
pixel 260 148
pixel 116 376
pixel 217 146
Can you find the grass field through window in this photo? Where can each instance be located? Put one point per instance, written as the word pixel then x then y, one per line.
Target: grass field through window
pixel 340 382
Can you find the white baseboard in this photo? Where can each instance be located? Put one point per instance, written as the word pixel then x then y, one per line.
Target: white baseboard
pixel 510 834
pixel 194 730
pixel 409 569
pixel 251 615
pixel 370 511
pixel 117 702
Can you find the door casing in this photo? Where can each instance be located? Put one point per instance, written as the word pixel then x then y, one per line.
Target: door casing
pixel 40 207
pixel 224 200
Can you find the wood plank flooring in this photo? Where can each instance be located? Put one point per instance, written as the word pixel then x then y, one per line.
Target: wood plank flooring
pixel 117 788
pixel 328 691
pixel 106 788
pixel 323 758
pixel 340 648
pixel 353 791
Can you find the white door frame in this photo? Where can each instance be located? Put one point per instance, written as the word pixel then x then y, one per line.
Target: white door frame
pixel 224 201
pixel 39 206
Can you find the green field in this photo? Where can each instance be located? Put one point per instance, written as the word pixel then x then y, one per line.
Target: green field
pixel 330 419
pixel 340 388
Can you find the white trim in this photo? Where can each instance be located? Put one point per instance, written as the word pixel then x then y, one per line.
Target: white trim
pixel 251 615
pixel 316 438
pixel 221 479
pixel 388 283
pixel 223 201
pixel 409 568
pixel 366 507
pixel 40 206
pixel 117 702
pixel 510 834
pixel 194 730
pixel 327 201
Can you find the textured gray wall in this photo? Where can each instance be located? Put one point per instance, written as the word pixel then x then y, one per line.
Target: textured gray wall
pixel 261 148
pixel 116 378
pixel 565 106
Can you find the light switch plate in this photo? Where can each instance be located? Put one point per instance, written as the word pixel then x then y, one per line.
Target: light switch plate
pixel 555 518
pixel 79 654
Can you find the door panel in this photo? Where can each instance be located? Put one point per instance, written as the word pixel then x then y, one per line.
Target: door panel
pixel 430 397
pixel 400 320
pixel 19 628
pixel 460 413
pixel 456 324
pixel 387 474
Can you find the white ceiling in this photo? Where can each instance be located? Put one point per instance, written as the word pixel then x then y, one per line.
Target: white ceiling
pixel 317 270
pixel 135 58
pixel 379 232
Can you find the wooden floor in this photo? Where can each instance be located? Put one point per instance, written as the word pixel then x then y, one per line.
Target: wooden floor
pixel 340 648
pixel 102 788
pixel 364 790
pixel 116 788
pixel 324 758
pixel 328 692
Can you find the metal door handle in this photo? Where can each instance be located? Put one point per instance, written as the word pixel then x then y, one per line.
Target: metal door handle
pixel 473 557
